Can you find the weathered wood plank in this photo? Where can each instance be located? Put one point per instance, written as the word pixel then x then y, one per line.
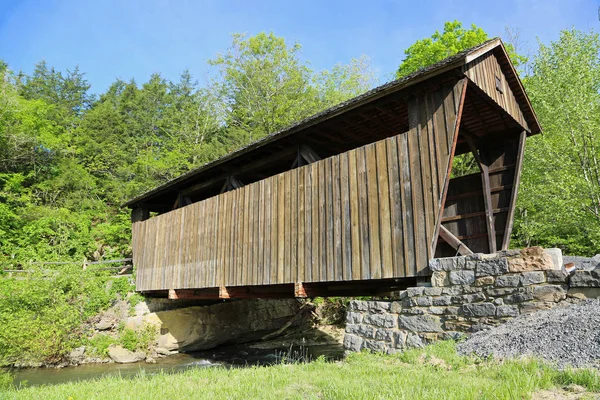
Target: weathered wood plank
pixel 356 241
pixel 336 217
pixel 346 228
pixel 322 222
pixel 363 213
pixel 280 228
pixel 385 226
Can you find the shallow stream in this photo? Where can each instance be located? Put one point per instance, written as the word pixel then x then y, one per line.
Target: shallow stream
pixel 224 357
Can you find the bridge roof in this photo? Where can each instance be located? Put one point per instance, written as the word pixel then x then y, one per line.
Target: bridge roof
pixel 274 150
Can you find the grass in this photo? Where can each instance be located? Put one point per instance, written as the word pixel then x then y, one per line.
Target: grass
pixel 435 372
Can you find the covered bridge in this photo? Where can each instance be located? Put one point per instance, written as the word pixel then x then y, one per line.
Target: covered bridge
pixel 352 201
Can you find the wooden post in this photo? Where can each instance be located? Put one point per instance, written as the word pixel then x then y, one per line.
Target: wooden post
pixel 487 194
pixel 515 190
pixel 299 290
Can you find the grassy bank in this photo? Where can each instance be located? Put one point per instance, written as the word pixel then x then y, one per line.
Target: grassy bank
pixel 436 372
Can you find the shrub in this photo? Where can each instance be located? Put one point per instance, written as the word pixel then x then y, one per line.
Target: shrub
pixel 98 345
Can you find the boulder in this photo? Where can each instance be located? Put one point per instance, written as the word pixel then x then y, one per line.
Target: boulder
pixel 200 328
pixel 549 293
pixel 106 322
pixel 531 259
pixel 123 356
pixel 77 355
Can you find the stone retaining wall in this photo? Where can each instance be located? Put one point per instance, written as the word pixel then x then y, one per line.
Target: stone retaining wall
pixel 466 294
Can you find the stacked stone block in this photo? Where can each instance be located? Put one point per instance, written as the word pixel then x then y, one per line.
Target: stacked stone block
pixel 467 294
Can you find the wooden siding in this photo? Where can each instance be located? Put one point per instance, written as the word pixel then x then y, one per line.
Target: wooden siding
pixel 369 213
pixel 483 71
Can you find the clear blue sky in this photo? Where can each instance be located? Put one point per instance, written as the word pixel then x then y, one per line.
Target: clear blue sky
pixel 126 39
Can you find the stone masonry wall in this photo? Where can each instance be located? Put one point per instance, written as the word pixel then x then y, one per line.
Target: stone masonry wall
pixel 466 294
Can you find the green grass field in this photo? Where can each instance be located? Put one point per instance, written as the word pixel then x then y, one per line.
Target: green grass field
pixel 435 372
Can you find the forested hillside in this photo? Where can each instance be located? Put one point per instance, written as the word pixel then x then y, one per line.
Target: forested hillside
pixel 69 156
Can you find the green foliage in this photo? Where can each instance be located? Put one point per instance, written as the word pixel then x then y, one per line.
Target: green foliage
pixel 99 344
pixel 439 46
pixel 68 159
pixel 140 339
pixel 264 86
pixel 559 202
pixel 6 380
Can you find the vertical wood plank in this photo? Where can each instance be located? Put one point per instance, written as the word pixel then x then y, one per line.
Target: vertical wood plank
pixel 385 228
pixel 280 228
pixel 396 214
pixel 363 213
pixel 356 241
pixel 293 267
pixel 346 219
pixel 301 224
pixel 329 238
pixel 267 238
pixel 288 226
pixel 322 198
pixel 309 245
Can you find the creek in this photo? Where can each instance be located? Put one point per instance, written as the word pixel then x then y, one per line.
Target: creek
pixel 235 356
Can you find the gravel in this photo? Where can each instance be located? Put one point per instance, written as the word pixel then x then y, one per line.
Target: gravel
pixel 565 336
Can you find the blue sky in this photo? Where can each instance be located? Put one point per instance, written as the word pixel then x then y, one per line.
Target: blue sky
pixel 126 39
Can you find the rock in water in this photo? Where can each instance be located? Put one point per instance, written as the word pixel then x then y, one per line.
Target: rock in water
pixel 123 356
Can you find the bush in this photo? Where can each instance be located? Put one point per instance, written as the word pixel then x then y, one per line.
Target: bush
pixel 43 312
pixel 98 345
pixel 141 339
pixel 6 380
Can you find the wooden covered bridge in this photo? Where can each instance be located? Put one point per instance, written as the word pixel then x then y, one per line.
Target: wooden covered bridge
pixel 352 201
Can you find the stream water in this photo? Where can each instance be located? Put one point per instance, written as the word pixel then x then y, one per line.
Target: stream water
pixel 224 357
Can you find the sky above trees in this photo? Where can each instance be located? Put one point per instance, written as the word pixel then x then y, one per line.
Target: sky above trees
pixel 135 38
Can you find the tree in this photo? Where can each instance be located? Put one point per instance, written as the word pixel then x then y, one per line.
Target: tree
pixel 559 202
pixel 344 81
pixel 439 46
pixel 264 85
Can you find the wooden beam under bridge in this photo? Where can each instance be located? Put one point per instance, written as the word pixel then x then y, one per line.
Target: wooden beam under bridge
pixel 292 290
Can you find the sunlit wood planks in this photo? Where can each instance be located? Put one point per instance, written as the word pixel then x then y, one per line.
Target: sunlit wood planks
pixel 369 213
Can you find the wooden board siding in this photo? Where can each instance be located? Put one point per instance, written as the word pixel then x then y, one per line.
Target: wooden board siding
pixel 369 213
pixel 483 71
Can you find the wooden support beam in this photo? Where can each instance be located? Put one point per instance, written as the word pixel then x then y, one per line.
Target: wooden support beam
pixel 262 162
pixel 139 214
pixel 309 154
pixel 513 196
pixel 231 183
pixel 223 293
pixel 455 242
pixel 487 194
pixel 192 294
pixel 299 290
pixel 442 202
